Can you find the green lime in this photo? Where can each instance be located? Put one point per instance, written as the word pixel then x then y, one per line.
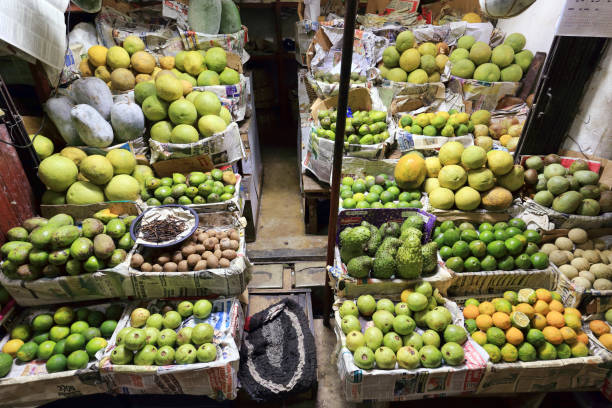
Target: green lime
pixel 107 328
pixel 535 337
pixel 42 322
pixel 500 226
pixel 416 204
pixel 20 332
pixel 415 195
pixel 74 342
pixel 527 295
pixel 496 336
pixel 347 181
pixel 437 231
pixel 370 181
pixel 519 320
pixel 446 252
pixel 91 333
pixel 511 296
pixel 386 197
pixel 451 236
pixel 95 318
pixel 439 239
pixel 79 327
pixel 461 249
pixel 497 249
pixel 372 198
pixel 509 353
pixel 488 263
pixel 455 263
pixel 395 191
pixel 469 235
pixel 487 236
pixel 500 235
pixel 377 189
pixel 506 263
pixel 472 301
pixel 539 260
pixel 466 226
pixel 493 352
pixel 56 363
pixel 521 238
pixel 166 181
pixel 547 352
pixel 518 223
pixel 363 204
pixel 162 192
pixel 527 352
pixel 45 350
pixel 348 203
pixel 403 204
pixel 358 187
pixel 472 264
pixel 40 338
pixel 478 248
pixel 523 261
pixel 533 236
pixel 60 347
pixel 27 352
pixel 446 225
pixel 95 344
pixel 217 174
pixel 405 196
pixel 390 205
pixel 485 226
pixel 377 204
pixel 77 360
pixel 346 194
pixel 512 231
pixel 514 246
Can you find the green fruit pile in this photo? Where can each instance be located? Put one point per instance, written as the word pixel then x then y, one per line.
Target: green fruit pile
pixel 503 246
pixel 330 78
pixel 417 332
pixel 214 186
pixel 391 250
pixel 67 339
pixel 448 124
pixel 507 62
pixel 205 68
pixel 364 128
pixel 526 326
pixel 55 247
pixel 376 192
pixel 73 177
pixel 573 190
pixel 404 62
pixel 153 339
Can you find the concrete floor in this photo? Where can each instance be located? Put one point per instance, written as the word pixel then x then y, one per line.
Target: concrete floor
pixel 281 224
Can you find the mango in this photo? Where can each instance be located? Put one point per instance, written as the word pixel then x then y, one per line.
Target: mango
pixel 19 255
pixel 103 246
pixel 117 257
pixel 9 246
pixel 64 236
pixel 59 220
pixel 90 227
pixel 81 249
pixel 41 236
pixel 32 223
pixel 59 257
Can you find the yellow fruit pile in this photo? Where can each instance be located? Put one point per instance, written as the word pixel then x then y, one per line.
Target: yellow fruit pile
pixel 527 326
pixel 601 329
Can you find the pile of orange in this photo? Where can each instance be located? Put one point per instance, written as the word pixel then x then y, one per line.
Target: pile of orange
pixel 601 330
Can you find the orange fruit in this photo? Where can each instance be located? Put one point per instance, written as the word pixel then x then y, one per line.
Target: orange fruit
pixel 470 312
pixel 514 336
pixel 541 307
pixel 555 319
pixel 574 311
pixel 486 308
pixel 552 335
pixel 543 294
pixel 539 321
pixel 582 337
pixel 484 322
pixel 606 340
pixel 556 306
pixel 526 308
pixel 599 327
pixel 569 335
pixel 501 320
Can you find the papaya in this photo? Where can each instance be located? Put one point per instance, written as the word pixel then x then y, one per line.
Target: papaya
pixel 410 171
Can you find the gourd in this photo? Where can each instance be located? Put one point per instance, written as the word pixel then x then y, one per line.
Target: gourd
pixel 91 126
pixel 230 18
pixel 204 16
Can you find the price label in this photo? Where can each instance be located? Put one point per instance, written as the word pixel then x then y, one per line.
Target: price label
pixel 585 18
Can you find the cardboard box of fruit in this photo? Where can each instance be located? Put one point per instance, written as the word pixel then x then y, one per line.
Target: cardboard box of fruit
pixel 141 357
pixel 408 350
pixel 206 264
pixel 534 342
pixel 59 260
pixel 373 265
pixel 54 352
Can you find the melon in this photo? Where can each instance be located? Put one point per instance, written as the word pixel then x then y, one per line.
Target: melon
pixel 410 171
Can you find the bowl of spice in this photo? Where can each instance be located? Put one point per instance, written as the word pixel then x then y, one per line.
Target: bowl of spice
pixel 164 225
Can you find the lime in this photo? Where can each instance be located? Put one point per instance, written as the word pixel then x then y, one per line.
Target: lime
pixel 358 186
pixel 469 235
pixel 517 223
pixel 377 189
pixel 506 263
pixel 416 204
pixel 466 226
pixel 523 261
pixel 460 248
pixel 472 301
pixel 500 235
pixel 437 231
pixel 502 305
pixel 521 238
pixel 74 342
pixel 497 249
pixel 514 246
pixel 478 248
pixel 166 181
pixel 415 195
pixel 527 352
pixel 95 318
pixel 547 351
pixel 539 260
pixel 527 295
pixel 446 252
pixel 519 320
pixel 162 192
pixel 487 236
pixel 451 236
pixel 488 263
pixel 511 296
pixel 386 197
pixel 40 338
pixel 347 181
pixel 363 204
pixel 472 264
pixel 60 347
pixel 79 327
pixel 512 231
pixel 455 263
pixel 446 225
pixel 556 296
pixel 389 205
pixel 403 204
pixel 77 360
pixel 91 333
pixel 56 363
pixel 370 181
pixel 377 204
pixel 509 353
pixel 348 203
pixel 493 352
pixel 485 226
pixel 372 198
pixel 439 239
pixel 346 194
pixel 470 325
pixel 405 196
pixel 21 332
pixel 535 337
pixel 358 197
pixel 95 344
pixel 27 352
pixel 500 226
pixel 533 236
pixel 496 336
pixel 107 328
pixel 394 190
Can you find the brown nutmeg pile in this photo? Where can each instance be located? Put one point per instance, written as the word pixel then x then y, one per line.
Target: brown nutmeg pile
pixel 205 249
